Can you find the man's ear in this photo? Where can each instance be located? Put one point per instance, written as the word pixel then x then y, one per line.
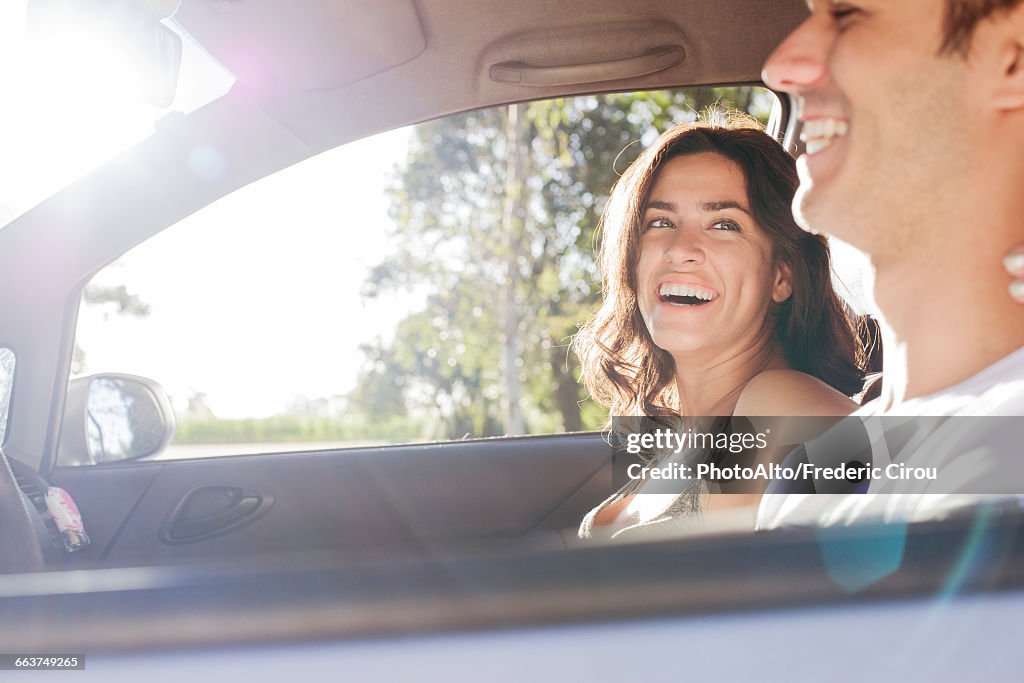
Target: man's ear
pixel 782 288
pixel 1008 94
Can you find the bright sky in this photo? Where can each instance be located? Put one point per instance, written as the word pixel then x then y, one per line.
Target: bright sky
pixel 255 299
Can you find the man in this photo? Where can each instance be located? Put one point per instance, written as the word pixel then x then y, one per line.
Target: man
pixel 913 119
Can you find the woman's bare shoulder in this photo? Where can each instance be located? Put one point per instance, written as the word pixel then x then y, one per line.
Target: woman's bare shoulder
pixel 789 392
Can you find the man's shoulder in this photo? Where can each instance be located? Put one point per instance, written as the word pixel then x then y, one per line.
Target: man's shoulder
pixel 998 398
pixel 997 390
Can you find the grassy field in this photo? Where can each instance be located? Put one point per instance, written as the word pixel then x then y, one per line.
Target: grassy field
pixel 282 429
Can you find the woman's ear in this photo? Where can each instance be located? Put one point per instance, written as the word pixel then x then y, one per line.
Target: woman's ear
pixel 782 288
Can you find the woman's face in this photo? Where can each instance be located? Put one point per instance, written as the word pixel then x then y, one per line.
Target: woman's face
pixel 705 276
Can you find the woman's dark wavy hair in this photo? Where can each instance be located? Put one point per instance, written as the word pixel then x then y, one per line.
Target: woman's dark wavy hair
pixel 622 368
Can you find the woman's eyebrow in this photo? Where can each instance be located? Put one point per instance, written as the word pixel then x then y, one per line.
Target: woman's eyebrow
pixel 664 206
pixel 711 207
pixel 706 207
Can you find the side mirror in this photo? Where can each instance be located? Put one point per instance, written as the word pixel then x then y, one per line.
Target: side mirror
pixel 113 417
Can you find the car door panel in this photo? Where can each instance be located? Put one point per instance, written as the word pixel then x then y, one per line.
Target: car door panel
pixel 411 496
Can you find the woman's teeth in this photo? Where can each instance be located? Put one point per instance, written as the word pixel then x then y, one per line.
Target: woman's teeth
pixel 819 133
pixel 686 294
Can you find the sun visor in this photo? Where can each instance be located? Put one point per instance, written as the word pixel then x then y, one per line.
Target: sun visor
pixel 313 45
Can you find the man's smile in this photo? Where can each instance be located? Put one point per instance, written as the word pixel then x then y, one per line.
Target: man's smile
pixel 820 132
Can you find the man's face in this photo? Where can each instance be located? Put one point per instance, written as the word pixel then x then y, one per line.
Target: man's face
pixel 885 121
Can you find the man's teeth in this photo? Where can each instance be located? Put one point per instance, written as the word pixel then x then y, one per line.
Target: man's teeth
pixel 686 290
pixel 817 134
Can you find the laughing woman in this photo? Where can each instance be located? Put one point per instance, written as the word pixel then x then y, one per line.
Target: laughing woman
pixel 715 304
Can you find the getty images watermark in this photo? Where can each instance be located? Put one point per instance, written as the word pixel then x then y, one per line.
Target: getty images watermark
pixel 856 454
pixel 736 442
pixel 772 471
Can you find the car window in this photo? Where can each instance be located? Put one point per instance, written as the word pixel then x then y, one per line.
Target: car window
pixel 418 285
pixel 6 386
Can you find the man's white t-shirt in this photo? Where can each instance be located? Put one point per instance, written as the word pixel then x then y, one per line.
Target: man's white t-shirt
pixel 985 457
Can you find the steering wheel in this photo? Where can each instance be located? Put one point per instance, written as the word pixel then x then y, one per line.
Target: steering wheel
pixel 21 527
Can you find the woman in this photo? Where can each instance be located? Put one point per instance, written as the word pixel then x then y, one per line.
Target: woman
pixel 716 302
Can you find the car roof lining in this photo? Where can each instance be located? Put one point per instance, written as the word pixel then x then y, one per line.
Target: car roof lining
pixel 326 45
pixel 724 42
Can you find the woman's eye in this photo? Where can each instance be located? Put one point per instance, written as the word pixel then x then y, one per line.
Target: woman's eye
pixel 726 225
pixel 659 223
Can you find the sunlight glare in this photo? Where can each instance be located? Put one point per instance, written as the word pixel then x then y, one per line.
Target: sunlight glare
pixel 66 108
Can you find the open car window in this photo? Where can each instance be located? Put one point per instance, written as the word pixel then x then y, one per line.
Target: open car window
pixel 418 285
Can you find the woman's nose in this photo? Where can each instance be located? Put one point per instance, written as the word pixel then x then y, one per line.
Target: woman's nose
pixel 800 61
pixel 684 248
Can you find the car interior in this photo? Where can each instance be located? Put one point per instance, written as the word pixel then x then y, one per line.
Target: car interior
pixel 296 103
pixel 450 536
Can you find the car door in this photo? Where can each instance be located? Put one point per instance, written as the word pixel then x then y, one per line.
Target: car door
pixel 417 498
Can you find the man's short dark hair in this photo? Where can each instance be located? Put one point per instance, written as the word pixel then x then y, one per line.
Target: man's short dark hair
pixel 962 16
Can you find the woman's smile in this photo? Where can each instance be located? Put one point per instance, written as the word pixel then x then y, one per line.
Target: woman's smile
pixel 686 294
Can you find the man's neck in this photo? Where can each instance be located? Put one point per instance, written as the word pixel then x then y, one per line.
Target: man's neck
pixel 946 325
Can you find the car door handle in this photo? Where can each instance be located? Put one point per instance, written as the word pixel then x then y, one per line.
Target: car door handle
pixel 210 511
pixel 658 59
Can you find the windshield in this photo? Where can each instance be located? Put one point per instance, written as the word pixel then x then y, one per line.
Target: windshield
pixel 56 126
